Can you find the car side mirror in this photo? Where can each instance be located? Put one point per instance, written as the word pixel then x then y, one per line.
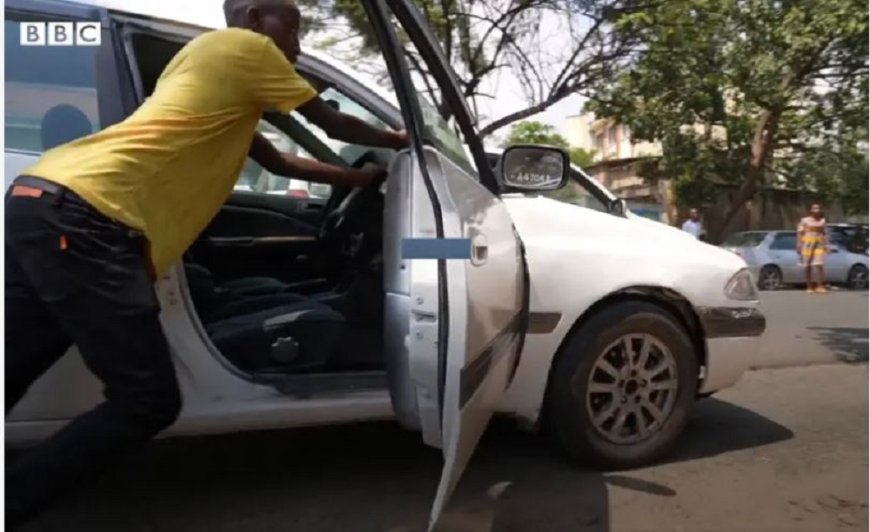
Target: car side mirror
pixel 618 207
pixel 533 168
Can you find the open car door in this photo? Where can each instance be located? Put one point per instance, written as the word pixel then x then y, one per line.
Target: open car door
pixel 455 276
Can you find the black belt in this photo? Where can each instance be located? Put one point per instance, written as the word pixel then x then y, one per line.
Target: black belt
pixel 39 183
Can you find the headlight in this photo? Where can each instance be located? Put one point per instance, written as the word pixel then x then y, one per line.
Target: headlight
pixel 741 287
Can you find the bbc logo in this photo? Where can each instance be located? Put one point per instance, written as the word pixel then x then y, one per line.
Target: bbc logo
pixel 60 33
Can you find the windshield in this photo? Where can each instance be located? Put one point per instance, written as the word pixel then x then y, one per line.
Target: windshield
pixel 582 192
pixel 744 240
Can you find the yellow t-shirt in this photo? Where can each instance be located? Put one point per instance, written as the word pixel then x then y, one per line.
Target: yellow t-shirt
pixel 168 168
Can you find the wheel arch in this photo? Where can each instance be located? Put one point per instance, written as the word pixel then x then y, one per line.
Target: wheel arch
pixel 667 299
pixel 770 265
pixel 858 266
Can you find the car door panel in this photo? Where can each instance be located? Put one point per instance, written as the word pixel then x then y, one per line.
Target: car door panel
pixel 837 263
pixel 790 263
pixel 412 304
pixel 479 371
pixel 450 393
pixel 469 313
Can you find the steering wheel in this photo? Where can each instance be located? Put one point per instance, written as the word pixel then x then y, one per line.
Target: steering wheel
pixel 341 220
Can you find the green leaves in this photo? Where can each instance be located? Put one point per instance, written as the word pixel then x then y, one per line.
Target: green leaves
pixel 533 132
pixel 552 48
pixel 716 81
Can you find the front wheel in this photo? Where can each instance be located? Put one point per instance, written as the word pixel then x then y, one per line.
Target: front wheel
pixel 623 389
pixel 858 277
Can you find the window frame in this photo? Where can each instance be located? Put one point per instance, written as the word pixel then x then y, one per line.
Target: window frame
pixel 181 34
pixel 430 51
pixel 783 235
pixel 108 84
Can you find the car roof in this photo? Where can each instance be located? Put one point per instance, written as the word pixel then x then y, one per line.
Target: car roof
pixel 119 7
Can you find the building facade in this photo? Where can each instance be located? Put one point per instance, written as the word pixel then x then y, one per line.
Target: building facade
pixel 616 163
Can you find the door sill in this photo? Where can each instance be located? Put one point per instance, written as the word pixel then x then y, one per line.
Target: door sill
pixel 310 384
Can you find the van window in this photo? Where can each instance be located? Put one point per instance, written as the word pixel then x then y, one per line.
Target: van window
pixel 51 92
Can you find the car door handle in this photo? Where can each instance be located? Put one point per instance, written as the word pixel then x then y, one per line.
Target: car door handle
pixel 479 249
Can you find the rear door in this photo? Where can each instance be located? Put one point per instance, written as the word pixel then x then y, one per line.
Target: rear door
pixel 56 94
pixel 783 250
pixel 455 273
pixel 838 261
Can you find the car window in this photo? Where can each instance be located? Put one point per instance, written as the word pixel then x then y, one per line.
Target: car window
pixel 838 237
pixel 439 131
pixel 748 240
pixel 348 152
pixel 784 241
pixel 579 192
pixel 255 178
pixel 51 92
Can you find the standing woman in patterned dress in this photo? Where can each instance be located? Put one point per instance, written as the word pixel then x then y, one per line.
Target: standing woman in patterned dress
pixel 812 247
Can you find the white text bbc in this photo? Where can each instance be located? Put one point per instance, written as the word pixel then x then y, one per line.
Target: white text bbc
pixel 60 33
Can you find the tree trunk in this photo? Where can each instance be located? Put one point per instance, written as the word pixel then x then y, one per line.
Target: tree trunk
pixel 762 149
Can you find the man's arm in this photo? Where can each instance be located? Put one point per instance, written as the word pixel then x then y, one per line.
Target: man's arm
pixel 286 165
pixel 348 128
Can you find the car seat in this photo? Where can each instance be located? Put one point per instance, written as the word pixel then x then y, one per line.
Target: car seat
pixel 63 123
pixel 291 338
pixel 277 332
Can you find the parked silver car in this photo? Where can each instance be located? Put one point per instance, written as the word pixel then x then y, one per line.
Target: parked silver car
pixel 774 261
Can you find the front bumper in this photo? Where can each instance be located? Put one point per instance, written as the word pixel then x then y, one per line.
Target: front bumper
pixel 727 322
pixel 733 336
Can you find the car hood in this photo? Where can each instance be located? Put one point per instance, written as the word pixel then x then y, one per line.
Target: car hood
pixel 540 219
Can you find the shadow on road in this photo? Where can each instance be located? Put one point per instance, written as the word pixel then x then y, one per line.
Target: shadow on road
pixel 377 477
pixel 849 344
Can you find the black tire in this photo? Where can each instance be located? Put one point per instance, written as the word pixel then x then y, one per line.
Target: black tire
pixel 857 277
pixel 770 278
pixel 568 415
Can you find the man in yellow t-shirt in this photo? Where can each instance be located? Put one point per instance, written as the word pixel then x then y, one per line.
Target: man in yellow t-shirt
pixel 96 219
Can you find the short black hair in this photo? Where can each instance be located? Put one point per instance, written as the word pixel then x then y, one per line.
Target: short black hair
pixel 234 9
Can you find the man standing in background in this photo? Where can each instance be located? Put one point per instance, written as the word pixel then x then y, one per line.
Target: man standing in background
pixel 693 224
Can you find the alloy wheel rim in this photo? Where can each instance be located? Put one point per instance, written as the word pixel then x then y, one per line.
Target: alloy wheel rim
pixel 770 280
pixel 859 279
pixel 632 389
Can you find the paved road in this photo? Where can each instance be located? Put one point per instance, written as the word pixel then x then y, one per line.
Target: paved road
pixel 805 328
pixel 785 450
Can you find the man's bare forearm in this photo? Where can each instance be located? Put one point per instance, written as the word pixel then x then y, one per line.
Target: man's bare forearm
pixel 291 166
pixel 318 172
pixel 350 129
pixel 353 130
